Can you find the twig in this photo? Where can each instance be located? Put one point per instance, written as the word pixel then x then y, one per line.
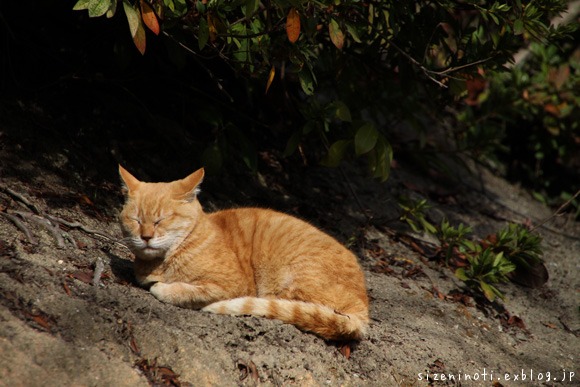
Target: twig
pixel 85 229
pixel 99 268
pixel 20 226
pixel 429 73
pixel 414 61
pixel 21 199
pixel 457 68
pixel 559 211
pixel 53 229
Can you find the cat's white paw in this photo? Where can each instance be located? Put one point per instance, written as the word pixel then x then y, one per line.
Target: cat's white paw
pixel 161 291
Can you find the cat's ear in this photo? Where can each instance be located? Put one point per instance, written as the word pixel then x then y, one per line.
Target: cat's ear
pixel 189 186
pixel 130 182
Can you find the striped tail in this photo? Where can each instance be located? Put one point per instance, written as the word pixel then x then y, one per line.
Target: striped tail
pixel 319 319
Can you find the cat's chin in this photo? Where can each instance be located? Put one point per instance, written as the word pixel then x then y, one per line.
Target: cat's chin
pixel 149 253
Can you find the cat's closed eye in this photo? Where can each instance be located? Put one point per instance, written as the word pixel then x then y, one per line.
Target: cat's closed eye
pixel 135 219
pixel 160 219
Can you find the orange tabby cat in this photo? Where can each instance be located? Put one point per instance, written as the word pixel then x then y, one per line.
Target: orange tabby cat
pixel 245 261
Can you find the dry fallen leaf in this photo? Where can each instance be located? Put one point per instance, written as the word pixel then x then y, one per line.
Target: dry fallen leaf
pixel 345 350
pixel 516 321
pixel 248 369
pixel 86 277
pixel 41 320
pixel 66 288
pixel 549 325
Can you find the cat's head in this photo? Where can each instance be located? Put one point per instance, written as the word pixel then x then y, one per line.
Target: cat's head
pixel 157 217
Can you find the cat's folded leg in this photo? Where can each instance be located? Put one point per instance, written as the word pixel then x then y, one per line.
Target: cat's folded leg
pixel 187 295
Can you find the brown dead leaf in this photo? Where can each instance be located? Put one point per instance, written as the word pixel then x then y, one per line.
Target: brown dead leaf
pixel 149 17
pixel 134 347
pixel 437 293
pixel 345 350
pixel 66 288
pixel 516 321
pixel 212 28
pixel 168 377
pixel 42 321
pixel 383 269
pixel 475 86
pixel 293 25
pixel 382 266
pixel 552 109
pixel 416 247
pixel 158 375
pixel 459 298
pixel 549 325
pixel 489 240
pixel 437 366
pixel 83 276
pixel 84 199
pixel 376 251
pixel 270 79
pixel 248 369
pixel 413 272
pixel 509 321
pixel 558 76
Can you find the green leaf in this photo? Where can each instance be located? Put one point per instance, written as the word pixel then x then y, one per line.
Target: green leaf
pixel 336 34
pixel 384 157
pixel 490 292
pixel 340 111
pixel 203 34
pixel 336 153
pixel 352 31
pixel 498 259
pixel 427 226
pixel 306 81
pixel 169 4
pixel 292 143
pixel 365 138
pixel 81 4
pixel 112 9
pixel 250 8
pixel 487 291
pixel 519 27
pixel 98 7
pixel 460 273
pixel 132 17
pixel 309 126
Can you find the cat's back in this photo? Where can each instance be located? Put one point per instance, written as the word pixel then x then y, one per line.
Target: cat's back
pixel 264 224
pixel 250 230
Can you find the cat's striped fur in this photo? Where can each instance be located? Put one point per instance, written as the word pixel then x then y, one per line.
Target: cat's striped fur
pixel 241 261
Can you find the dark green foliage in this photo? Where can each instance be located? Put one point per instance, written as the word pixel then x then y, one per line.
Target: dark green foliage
pixel 494 260
pixel 530 117
pixel 414 214
pixel 485 269
pixel 357 69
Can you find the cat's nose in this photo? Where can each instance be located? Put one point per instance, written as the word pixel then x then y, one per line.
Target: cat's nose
pixel 146 238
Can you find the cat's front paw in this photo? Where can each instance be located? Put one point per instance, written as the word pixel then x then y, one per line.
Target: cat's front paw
pixel 161 291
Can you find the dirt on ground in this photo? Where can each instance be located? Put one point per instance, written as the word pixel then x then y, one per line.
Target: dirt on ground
pixel 72 314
